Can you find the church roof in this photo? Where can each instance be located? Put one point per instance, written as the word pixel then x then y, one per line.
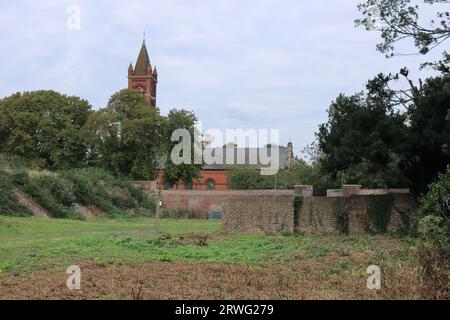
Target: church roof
pixel 250 156
pixel 143 62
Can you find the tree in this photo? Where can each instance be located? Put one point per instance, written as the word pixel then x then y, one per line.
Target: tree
pixel 399 20
pixel 357 140
pixel 426 151
pixel 246 178
pixel 44 127
pixel 125 137
pixel 367 140
pixel 187 172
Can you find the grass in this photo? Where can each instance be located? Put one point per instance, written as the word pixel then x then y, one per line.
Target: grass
pixel 28 244
pixel 193 259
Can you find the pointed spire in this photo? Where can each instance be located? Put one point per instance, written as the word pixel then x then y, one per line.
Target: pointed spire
pixel 155 72
pixel 143 62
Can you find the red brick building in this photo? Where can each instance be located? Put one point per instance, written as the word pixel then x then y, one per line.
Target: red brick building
pixel 142 77
pixel 213 176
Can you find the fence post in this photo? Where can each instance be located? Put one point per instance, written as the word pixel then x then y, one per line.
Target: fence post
pixel 158 211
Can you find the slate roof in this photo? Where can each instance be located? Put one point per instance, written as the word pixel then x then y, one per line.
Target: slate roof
pixel 248 157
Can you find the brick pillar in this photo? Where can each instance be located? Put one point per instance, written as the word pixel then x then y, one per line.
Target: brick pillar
pixel 304 190
pixel 351 189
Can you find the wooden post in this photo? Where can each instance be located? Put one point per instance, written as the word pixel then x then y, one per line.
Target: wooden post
pixel 158 212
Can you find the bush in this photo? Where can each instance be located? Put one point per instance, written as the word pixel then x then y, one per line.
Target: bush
pixel 181 213
pixel 437 201
pixel 434 245
pixel 433 257
pixel 113 195
pixel 58 192
pixel 9 202
pixel 52 193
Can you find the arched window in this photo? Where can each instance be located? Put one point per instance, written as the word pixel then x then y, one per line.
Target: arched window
pixel 210 185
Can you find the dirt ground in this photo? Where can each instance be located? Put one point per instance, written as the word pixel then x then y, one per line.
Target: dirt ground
pixel 159 280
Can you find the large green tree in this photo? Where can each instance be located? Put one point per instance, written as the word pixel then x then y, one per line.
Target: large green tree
pixel 125 137
pixel 44 127
pixel 186 172
pixel 357 141
pixel 425 151
pixel 368 140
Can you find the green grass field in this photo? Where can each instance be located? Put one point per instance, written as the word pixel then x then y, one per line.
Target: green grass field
pixel 30 245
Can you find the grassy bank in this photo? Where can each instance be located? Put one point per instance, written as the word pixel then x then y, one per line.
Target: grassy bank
pixel 60 193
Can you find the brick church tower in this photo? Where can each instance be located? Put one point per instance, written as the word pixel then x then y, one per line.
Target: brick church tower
pixel 143 78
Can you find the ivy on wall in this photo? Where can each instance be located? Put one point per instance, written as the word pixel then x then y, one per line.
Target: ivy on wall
pixel 379 213
pixel 298 204
pixel 341 214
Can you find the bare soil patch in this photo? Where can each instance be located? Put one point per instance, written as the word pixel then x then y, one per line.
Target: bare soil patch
pixel 177 280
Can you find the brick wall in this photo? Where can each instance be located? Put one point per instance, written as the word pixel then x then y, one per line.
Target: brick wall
pixel 259 214
pixel 316 216
pixel 273 211
pixel 205 201
pixel 403 206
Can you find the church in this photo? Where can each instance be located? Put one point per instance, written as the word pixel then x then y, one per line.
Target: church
pixel 144 79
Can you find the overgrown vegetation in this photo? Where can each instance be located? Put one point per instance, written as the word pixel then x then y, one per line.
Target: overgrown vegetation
pixel 9 202
pixel 341 214
pixel 379 213
pixel 434 247
pixel 244 178
pixel 298 204
pixel 181 213
pixel 58 192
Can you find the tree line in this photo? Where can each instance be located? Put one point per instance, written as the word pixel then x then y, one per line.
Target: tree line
pixel 56 132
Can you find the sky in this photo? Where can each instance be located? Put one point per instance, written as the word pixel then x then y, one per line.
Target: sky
pixel 255 64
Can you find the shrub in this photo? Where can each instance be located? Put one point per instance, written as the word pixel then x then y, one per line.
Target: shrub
pixel 114 195
pixel 434 245
pixel 58 192
pixel 181 213
pixel 52 193
pixel 9 202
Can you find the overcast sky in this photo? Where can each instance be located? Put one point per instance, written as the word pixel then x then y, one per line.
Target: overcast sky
pixel 236 64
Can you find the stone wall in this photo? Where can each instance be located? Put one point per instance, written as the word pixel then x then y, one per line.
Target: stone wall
pixel 259 214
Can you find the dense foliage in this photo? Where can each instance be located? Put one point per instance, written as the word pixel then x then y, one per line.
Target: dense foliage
pixel 436 202
pixel 186 172
pixel 124 137
pixel 9 202
pixel 44 127
pixel 245 178
pixel 60 192
pixel 434 246
pixel 367 140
